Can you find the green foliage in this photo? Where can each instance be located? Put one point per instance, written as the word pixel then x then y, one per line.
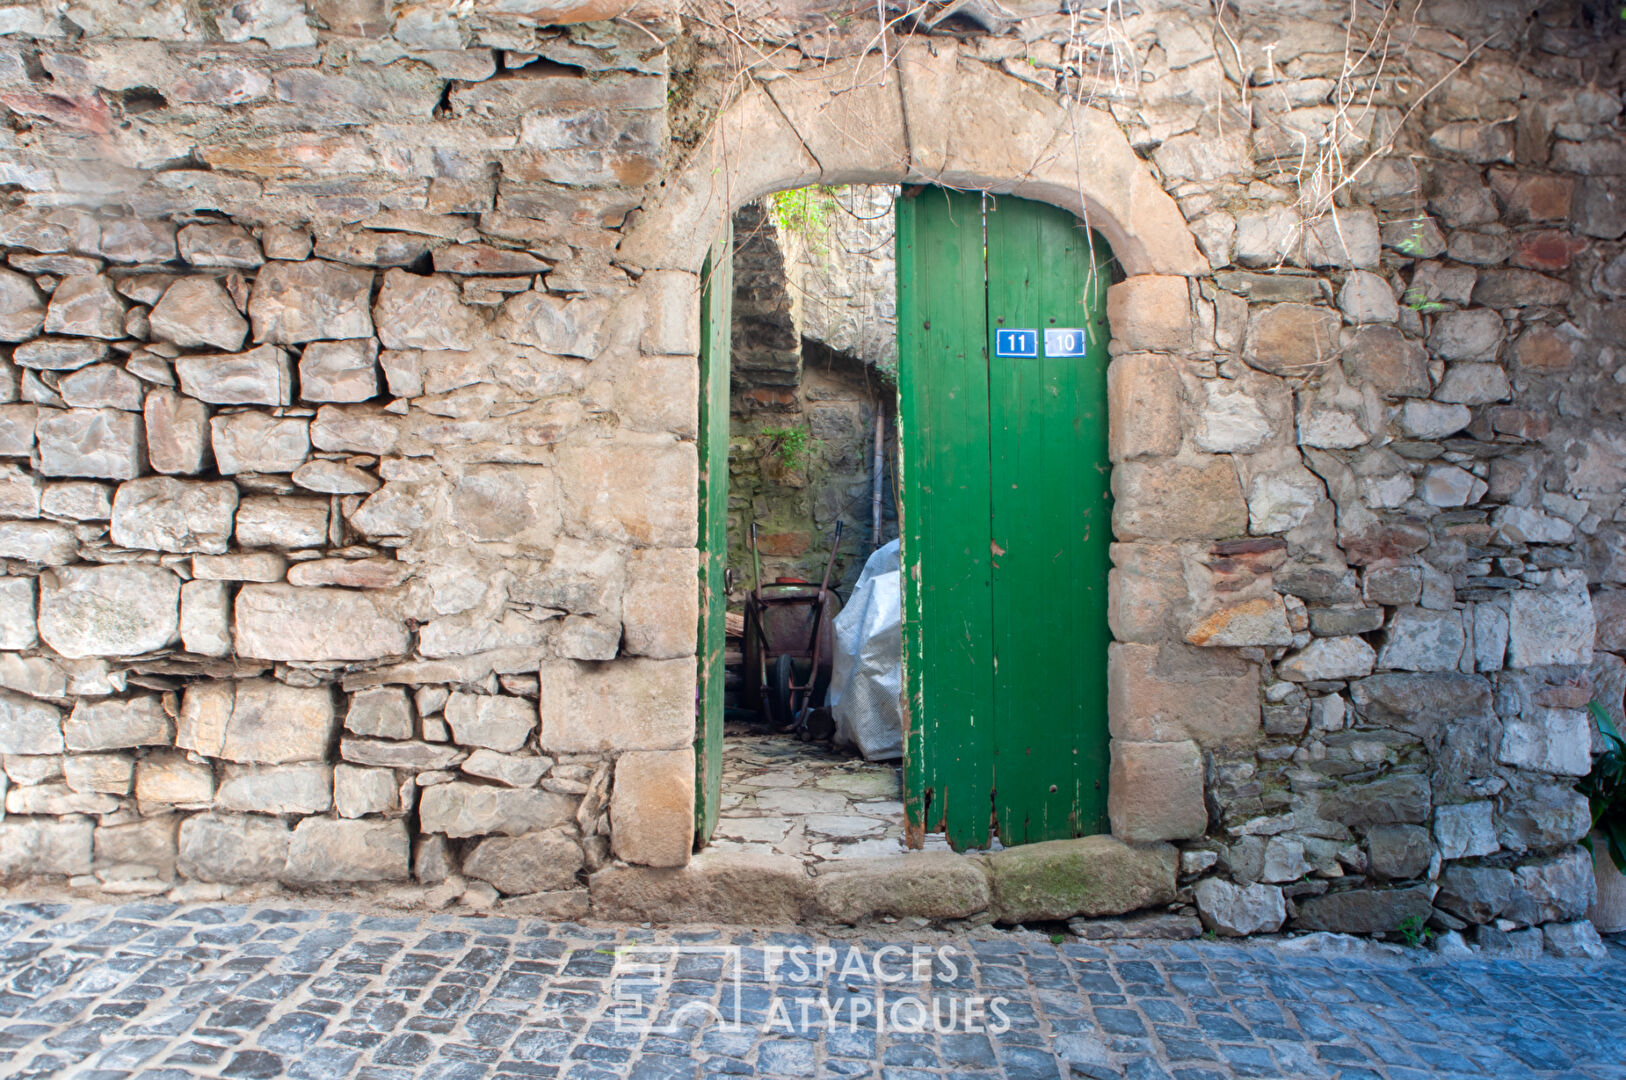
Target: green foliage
pixel 1413 932
pixel 806 212
pixel 794 445
pixel 1418 301
pixel 1605 791
pixel 1412 243
pixel 1057 939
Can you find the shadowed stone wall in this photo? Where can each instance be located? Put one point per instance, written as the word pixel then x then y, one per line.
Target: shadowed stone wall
pixel 348 479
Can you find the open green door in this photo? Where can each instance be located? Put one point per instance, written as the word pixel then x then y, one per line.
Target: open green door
pixel 1005 518
pixel 716 296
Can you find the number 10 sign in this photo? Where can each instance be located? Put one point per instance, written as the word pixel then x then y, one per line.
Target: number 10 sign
pixel 1066 342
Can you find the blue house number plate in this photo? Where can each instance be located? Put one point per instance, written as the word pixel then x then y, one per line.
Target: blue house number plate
pixel 1065 342
pixel 1016 343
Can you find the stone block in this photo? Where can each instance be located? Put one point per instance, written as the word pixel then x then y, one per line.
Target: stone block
pixel 1328 658
pixel 148 843
pixel 286 622
pixel 642 493
pixel 28 726
pixel 135 241
pixel 221 245
pixel 1343 238
pixel 493 721
pixel 1143 407
pixel 661 605
pixel 17 613
pixel 107 774
pixel 1367 298
pixel 1398 852
pixel 1237 911
pixel 1150 312
pixel 270 566
pixel 630 704
pixel 1175 692
pixel 282 521
pixel 101 386
pixel 85 305
pixel 1422 640
pixel 160 513
pixel 531 863
pixel 1397 799
pixel 652 807
pixel 57 799
pixel 1175 500
pixel 1528 197
pixel 294 302
pixel 113 610
pixel 1466 830
pixel 336 850
pixel 1560 889
pixel 1237 416
pixel 515 770
pixel 1552 625
pixel 43 542
pixel 59 354
pixel 264 375
pixel 359 791
pixel 177 430
pixel 359 429
pixel 197 312
pixel 1146 592
pixel 114 724
pixel 31 847
pixel 1092 875
pixel 1261 621
pixel 419 312
pixel 742 888
pixel 1292 339
pixel 17 429
pixel 339 370
pixel 102 443
pixel 1609 610
pixel 78 500
pixel 1364 911
pixel 381 711
pixel 1549 740
pixel 394 754
pixel 461 809
pixel 206 618
pixel 1539 815
pixel 1472 334
pixel 259 442
pixel 22 308
pixel 1155 791
pixel 257 721
pixel 276 789
pixel 507 504
pixel 924 885
pixel 672 297
pixel 1473 384
pixel 170 778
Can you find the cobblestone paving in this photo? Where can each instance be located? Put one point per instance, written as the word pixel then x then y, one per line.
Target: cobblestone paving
pixel 164 992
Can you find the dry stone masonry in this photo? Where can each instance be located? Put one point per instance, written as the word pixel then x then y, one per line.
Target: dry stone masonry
pixel 348 413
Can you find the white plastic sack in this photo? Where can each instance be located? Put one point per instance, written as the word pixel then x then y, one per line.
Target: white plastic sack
pixel 866 678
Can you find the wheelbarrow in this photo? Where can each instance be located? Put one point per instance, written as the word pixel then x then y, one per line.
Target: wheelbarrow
pixel 789 646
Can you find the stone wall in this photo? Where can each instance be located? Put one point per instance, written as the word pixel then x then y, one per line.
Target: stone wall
pixel 347 429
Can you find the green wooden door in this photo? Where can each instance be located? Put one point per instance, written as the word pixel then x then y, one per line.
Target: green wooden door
pixel 1006 518
pixel 716 296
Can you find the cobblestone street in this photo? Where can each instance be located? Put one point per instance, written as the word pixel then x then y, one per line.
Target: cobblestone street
pixel 163 992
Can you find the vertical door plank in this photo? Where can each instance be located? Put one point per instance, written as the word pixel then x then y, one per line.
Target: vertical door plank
pixel 716 305
pixel 1051 528
pixel 943 435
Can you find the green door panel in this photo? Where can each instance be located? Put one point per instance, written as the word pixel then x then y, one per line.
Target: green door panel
pixel 1005 519
pixel 716 297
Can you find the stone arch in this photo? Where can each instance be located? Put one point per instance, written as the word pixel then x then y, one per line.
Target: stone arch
pixel 939 118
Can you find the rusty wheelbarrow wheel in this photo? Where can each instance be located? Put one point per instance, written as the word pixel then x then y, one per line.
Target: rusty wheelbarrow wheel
pixel 784 670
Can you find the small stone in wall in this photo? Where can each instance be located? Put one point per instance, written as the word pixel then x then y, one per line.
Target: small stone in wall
pixel 22 308
pixel 276 789
pixel 1553 625
pixel 1328 658
pixel 28 726
pixel 339 371
pixel 59 354
pixel 259 442
pixel 1292 339
pixel 285 622
pixel 38 846
pixel 196 312
pixel 514 770
pixel 177 430
pixel 282 521
pixel 493 721
pixel 107 774
pixel 1236 911
pixel 1421 640
pixel 1432 420
pixel 418 312
pixel 534 862
pixel 314 300
pixel 19 493
pixel 380 711
pixel 101 443
pixel 170 778
pixel 261 376
pixel 219 245
pixel 17 429
pixel 115 724
pixel 46 543
pixel 160 513
pixel 17 613
pixel 1261 621
pixel 114 610
pixel 1465 830
pixel 86 306
pixel 460 810
pixel 359 791
pixel 233 848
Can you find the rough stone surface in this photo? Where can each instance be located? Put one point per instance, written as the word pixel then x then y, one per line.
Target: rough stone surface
pixel 164 514
pixel 284 622
pixel 462 809
pixel 337 850
pixel 111 610
pixel 652 807
pixel 1093 875
pixel 1235 910
pixel 529 863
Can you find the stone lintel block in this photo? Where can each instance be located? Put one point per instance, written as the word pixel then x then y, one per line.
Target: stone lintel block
pixel 652 807
pixel 1150 311
pixel 921 884
pixel 1092 875
pixel 617 705
pixel 1155 791
pixel 741 888
pixel 1173 692
pixel 1143 406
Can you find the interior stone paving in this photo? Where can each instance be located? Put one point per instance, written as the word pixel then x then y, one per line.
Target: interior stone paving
pixel 160 992
pixel 808 800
